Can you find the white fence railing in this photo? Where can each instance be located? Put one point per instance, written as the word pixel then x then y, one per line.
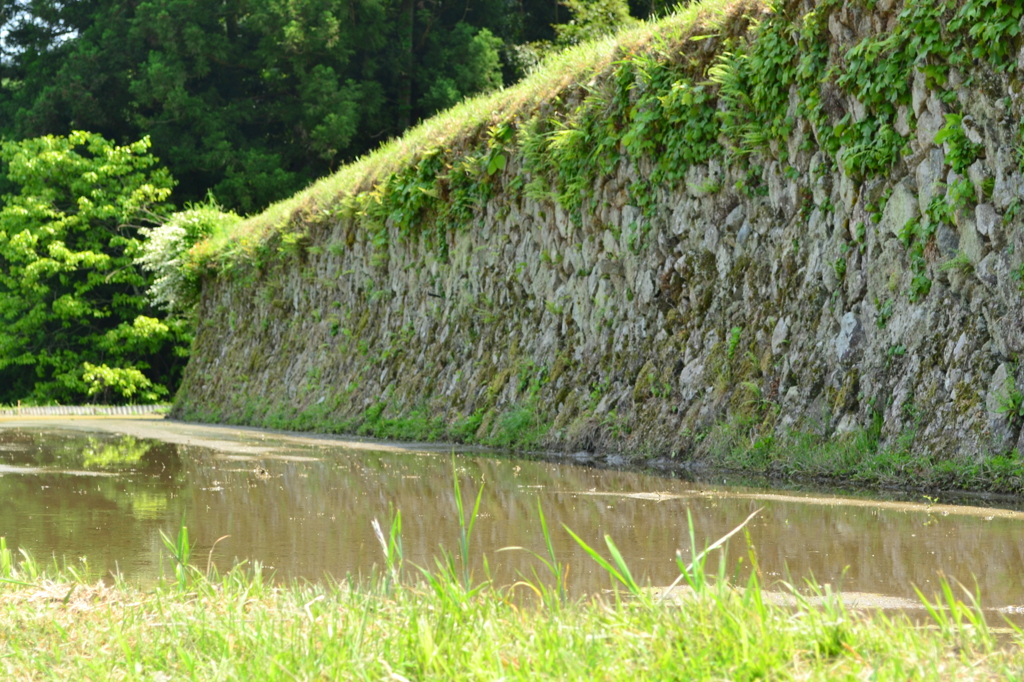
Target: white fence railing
pixel 82 410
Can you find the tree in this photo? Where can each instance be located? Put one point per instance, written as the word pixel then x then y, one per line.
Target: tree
pixel 251 99
pixel 75 324
pixel 593 19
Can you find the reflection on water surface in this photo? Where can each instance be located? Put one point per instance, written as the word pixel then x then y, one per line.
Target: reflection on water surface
pixel 304 507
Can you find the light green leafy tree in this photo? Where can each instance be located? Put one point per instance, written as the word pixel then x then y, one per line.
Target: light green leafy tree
pixel 75 322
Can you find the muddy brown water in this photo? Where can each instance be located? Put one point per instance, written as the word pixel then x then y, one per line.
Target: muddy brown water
pixel 104 488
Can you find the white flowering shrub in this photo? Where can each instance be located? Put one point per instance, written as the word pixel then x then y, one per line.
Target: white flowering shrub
pixel 165 254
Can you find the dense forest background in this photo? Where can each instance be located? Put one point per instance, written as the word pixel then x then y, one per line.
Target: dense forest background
pixel 252 99
pixel 132 129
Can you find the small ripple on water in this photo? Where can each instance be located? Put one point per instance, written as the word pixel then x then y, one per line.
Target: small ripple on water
pixel 35 471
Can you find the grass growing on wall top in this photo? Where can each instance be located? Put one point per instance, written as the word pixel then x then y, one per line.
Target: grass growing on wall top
pixel 464 124
pixel 660 93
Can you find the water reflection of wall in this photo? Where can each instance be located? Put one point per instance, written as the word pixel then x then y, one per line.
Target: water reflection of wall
pixel 313 517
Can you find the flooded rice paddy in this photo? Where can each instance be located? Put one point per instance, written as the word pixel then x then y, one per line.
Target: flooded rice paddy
pixel 104 488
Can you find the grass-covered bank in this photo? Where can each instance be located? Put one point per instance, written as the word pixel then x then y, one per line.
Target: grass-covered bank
pixel 465 148
pixel 418 624
pixel 715 79
pixel 859 459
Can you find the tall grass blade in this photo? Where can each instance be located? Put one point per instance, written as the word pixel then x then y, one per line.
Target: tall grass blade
pixel 937 613
pixel 28 566
pixel 180 551
pixel 375 524
pixel 10 581
pixel 395 542
pixel 391 546
pixel 556 568
pixel 695 577
pixel 620 563
pixel 625 578
pixel 6 559
pixel 465 525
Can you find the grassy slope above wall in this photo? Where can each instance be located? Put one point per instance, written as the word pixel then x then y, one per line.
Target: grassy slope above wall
pixel 468 141
pixel 801 113
pixel 657 92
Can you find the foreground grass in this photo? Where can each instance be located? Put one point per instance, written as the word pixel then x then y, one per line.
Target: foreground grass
pixel 431 626
pixel 239 628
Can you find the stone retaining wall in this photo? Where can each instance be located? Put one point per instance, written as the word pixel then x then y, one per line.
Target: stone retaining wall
pixel 793 307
